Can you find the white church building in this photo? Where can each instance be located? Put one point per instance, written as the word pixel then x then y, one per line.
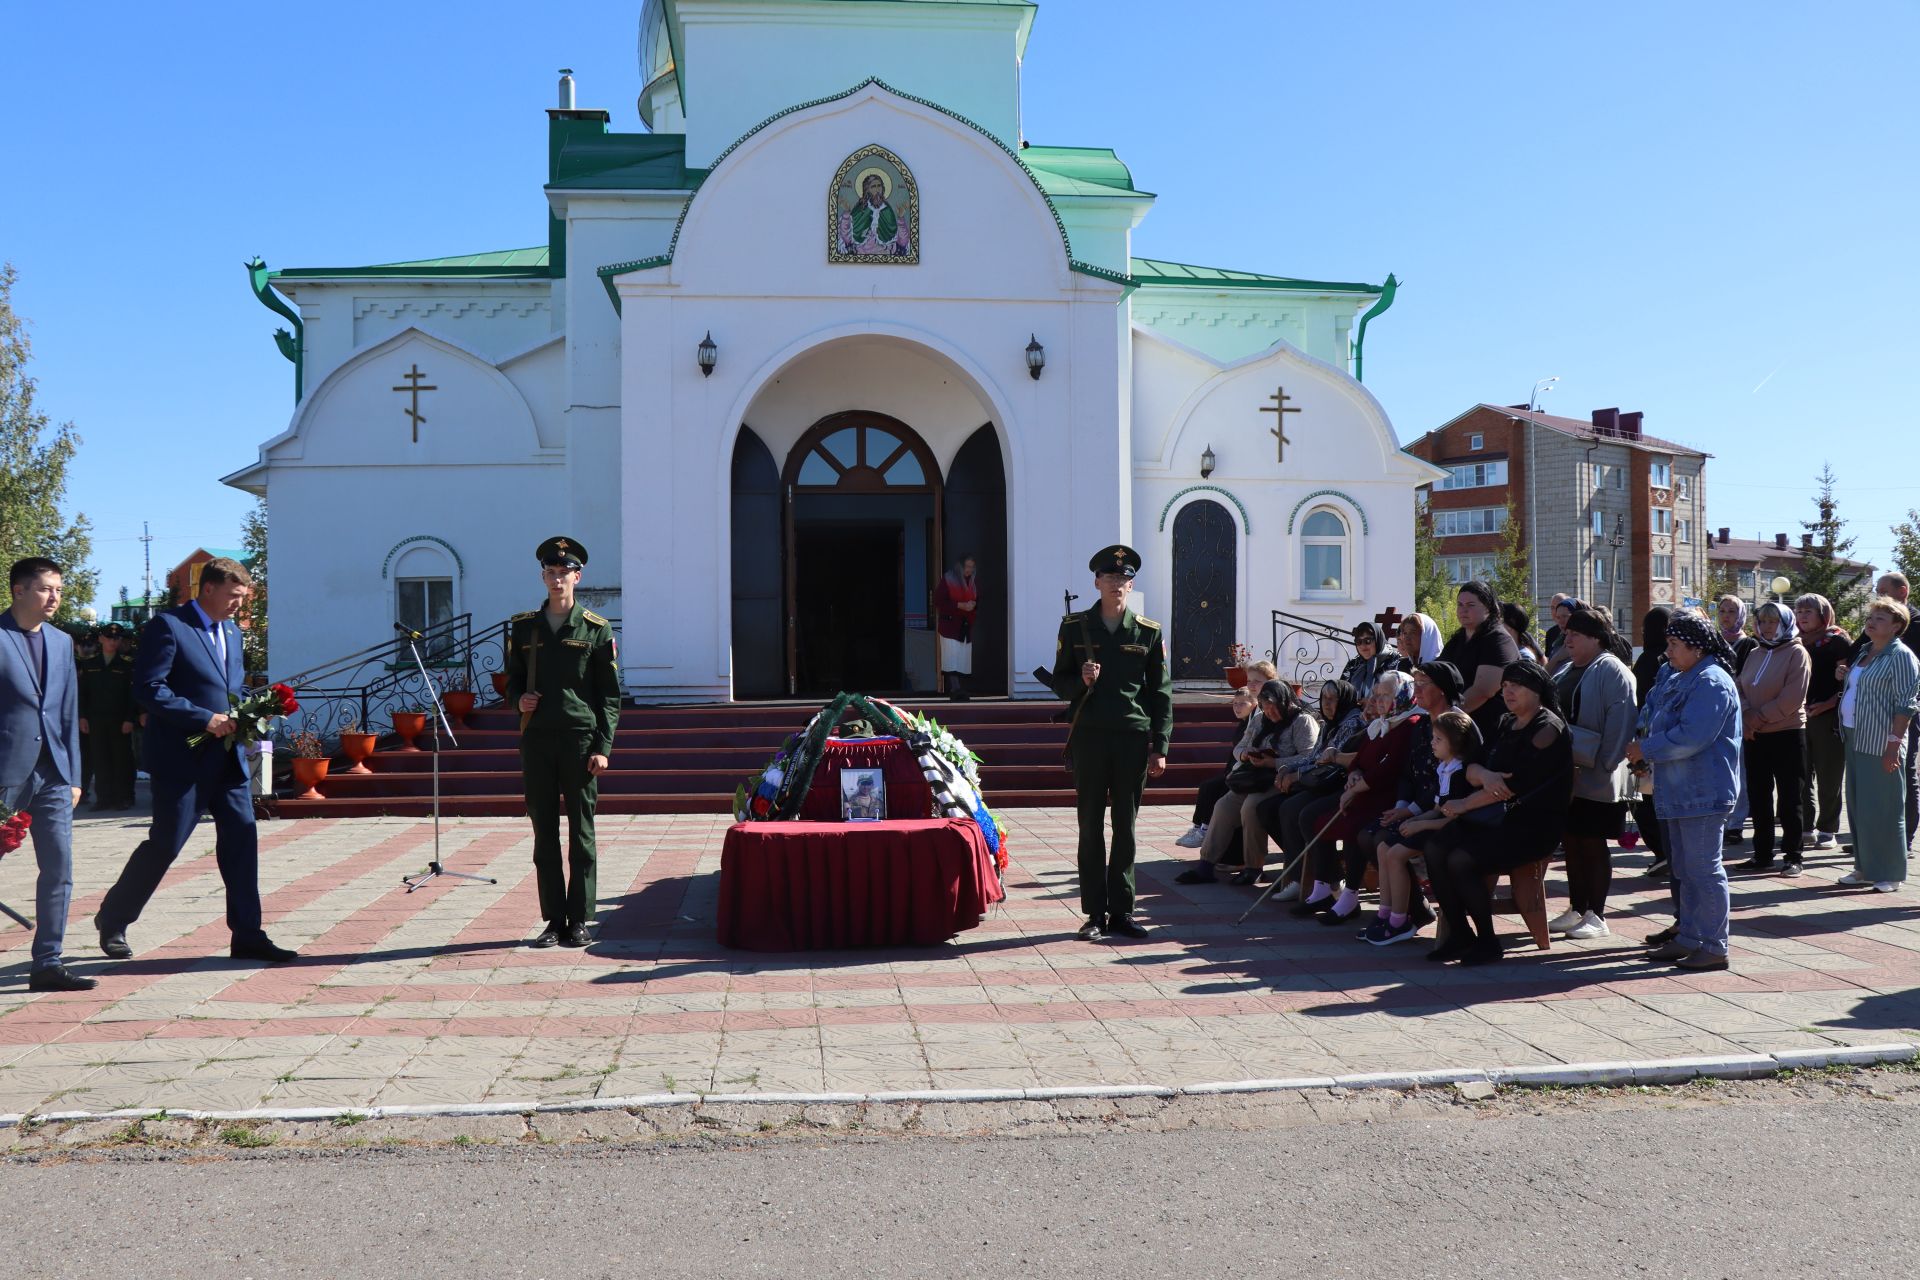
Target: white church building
pixel 828 322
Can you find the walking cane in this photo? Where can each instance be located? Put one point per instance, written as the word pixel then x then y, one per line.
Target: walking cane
pixel 1301 857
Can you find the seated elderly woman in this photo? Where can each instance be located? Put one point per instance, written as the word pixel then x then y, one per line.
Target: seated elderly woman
pixel 1342 713
pixel 1280 735
pixel 1372 658
pixel 1210 791
pixel 1875 709
pixel 1372 786
pixel 1528 769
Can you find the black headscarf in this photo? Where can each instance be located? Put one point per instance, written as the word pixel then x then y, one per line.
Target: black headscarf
pixel 1592 625
pixel 1346 698
pixel 1653 628
pixel 1696 632
pixel 1531 675
pixel 1285 709
pixel 1653 651
pixel 1485 594
pixel 1447 678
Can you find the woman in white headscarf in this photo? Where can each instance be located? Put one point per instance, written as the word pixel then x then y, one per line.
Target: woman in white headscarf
pixel 1418 639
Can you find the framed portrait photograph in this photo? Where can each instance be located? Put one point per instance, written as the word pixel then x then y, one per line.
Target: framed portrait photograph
pixel 863 795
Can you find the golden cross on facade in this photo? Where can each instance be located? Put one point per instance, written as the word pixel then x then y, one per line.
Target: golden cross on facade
pixel 413 377
pixel 1280 409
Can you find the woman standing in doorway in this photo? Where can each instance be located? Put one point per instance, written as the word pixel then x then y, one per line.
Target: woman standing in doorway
pixel 956 600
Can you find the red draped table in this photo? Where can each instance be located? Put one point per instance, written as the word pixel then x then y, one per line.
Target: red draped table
pixel 812 886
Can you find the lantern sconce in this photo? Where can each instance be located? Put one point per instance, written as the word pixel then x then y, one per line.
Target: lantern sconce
pixel 1206 463
pixel 708 354
pixel 1036 357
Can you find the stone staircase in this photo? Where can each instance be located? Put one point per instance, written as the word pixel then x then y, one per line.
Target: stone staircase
pixel 690 759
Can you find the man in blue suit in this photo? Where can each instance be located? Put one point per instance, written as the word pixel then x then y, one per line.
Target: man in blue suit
pixel 40 753
pixel 188 668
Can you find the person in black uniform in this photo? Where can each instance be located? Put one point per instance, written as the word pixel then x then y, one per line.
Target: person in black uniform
pixel 1111 666
pixel 563 676
pixel 107 715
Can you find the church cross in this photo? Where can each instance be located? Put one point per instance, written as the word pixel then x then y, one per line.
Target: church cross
pixel 412 411
pixel 1389 620
pixel 1280 409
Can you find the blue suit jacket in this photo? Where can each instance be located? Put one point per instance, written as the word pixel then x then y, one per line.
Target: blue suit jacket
pixel 32 717
pixel 177 679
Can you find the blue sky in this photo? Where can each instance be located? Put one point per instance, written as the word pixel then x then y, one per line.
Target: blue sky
pixel 1704 211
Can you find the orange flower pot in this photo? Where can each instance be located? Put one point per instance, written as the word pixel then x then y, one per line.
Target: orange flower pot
pixel 1236 676
pixel 409 725
pixel 459 703
pixel 356 747
pixel 499 679
pixel 307 772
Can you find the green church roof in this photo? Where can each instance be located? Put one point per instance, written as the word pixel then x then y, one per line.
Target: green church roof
pixel 504 264
pixel 1079 171
pixel 1148 272
pixel 623 162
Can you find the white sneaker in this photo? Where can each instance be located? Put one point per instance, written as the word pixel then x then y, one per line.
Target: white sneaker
pixel 1886 886
pixel 1288 892
pixel 1823 839
pixel 1590 926
pixel 1853 880
pixel 1564 921
pixel 1195 837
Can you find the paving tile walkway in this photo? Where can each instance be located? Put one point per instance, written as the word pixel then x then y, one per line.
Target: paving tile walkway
pixel 432 998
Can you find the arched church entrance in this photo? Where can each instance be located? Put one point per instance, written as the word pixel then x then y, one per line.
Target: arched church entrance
pixel 1205 581
pixel 863 515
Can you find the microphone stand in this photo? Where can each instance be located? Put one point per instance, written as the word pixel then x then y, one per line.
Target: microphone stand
pixel 439 718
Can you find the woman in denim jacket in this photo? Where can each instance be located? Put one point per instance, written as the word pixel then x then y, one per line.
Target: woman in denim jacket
pixel 1692 740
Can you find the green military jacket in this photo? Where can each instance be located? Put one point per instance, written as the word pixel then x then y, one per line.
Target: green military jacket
pixel 575 670
pixel 1135 690
pixel 106 691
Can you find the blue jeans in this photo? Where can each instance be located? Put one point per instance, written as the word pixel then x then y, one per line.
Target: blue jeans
pixel 1700 882
pixel 50 801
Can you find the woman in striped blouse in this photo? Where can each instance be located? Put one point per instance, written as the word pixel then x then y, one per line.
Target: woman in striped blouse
pixel 1875 706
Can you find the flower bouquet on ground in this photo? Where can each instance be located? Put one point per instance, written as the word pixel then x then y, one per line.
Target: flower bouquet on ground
pixel 13 833
pixel 253 715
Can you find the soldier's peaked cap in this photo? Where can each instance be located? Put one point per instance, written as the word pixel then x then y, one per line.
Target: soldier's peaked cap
pixel 1118 558
pixel 562 551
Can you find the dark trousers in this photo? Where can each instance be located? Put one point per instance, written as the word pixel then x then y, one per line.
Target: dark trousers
pixel 1208 796
pixel 176 812
pixel 553 766
pixel 1109 775
pixel 1913 779
pixel 1460 885
pixel 1826 773
pixel 1652 834
pixel 1777 768
pixel 49 799
pixel 1589 872
pixel 111 754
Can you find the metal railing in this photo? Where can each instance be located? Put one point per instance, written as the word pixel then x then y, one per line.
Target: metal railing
pixel 1309 652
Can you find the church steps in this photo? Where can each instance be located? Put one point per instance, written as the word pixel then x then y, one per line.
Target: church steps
pixel 690 759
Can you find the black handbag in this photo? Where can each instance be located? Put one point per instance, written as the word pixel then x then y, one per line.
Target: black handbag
pixel 1250 779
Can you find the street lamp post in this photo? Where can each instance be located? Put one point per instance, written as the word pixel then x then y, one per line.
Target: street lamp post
pixel 1779 586
pixel 1540 388
pixel 1618 540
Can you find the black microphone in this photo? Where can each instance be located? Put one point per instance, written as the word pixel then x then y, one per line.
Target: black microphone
pixel 409 632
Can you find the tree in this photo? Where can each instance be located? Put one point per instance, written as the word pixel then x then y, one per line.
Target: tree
pixel 253 537
pixel 1825 569
pixel 1432 593
pixel 1906 546
pixel 33 469
pixel 1511 569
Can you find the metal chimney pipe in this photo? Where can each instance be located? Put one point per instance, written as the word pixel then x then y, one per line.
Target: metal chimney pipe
pixel 566 88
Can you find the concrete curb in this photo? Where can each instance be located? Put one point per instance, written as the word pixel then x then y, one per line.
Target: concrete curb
pixel 1739 1066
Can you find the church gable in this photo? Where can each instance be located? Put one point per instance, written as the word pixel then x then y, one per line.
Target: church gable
pixel 964 218
pixel 417 400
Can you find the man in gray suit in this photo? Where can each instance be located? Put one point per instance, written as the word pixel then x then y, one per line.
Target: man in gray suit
pixel 40 753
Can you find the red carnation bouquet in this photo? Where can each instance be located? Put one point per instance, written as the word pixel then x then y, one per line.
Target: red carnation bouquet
pixel 253 715
pixel 13 828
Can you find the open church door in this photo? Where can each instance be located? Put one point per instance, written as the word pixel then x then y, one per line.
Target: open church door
pixel 759 632
pixel 976 516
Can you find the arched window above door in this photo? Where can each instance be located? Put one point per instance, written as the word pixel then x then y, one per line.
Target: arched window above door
pixel 1325 562
pixel 860 453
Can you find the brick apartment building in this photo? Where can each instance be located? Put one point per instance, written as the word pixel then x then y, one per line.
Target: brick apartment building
pixel 1752 564
pixel 1606 511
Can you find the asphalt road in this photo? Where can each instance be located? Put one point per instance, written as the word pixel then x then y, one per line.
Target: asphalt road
pixel 1744 1190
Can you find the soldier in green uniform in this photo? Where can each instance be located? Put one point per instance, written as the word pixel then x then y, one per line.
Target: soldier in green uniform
pixel 107 715
pixel 563 676
pixel 1110 664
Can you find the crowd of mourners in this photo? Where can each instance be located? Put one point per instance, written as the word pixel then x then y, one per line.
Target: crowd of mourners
pixel 1434 767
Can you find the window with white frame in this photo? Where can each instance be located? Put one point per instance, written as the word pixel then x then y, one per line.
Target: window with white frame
pixel 1660 473
pixel 1599 524
pixel 1475 475
pixel 1467 568
pixel 1682 487
pixel 1466 520
pixel 1599 571
pixel 1663 568
pixel 1662 520
pixel 424 593
pixel 1324 557
pixel 1476 441
pixel 1686 575
pixel 1683 531
pixel 1606 477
